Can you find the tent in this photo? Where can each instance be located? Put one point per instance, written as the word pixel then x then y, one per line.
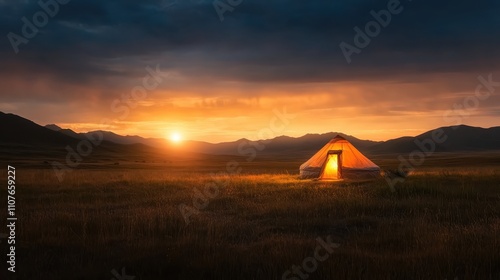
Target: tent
pixel 339 159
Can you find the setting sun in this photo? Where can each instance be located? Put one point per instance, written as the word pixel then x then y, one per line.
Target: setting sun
pixel 175 137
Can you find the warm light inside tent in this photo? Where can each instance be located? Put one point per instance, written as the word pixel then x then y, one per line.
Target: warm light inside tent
pixel 332 167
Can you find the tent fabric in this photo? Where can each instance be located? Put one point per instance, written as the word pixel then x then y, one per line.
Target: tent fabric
pixel 353 163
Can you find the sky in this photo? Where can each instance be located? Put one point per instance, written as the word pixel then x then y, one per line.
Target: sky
pixel 220 70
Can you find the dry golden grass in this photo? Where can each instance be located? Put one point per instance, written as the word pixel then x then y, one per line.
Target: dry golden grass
pixel 438 224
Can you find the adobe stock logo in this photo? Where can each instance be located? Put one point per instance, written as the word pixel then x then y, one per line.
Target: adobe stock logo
pixel 222 7
pixel 40 19
pixel 310 264
pixel 363 38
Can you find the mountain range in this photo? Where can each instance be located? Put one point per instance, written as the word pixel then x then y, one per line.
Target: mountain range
pixel 22 136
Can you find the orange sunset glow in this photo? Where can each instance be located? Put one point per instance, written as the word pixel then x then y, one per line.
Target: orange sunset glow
pixel 377 110
pixel 219 83
pixel 250 139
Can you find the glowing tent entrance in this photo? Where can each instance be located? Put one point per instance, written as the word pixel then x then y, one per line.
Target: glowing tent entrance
pixel 331 170
pixel 337 160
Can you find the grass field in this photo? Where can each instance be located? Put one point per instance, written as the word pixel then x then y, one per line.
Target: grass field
pixel 439 224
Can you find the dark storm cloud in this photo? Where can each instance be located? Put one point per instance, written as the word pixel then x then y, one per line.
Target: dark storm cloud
pixel 285 41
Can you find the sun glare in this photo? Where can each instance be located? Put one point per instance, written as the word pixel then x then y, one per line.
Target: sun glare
pixel 175 137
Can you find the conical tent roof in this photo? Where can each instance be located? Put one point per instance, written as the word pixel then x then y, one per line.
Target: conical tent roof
pixel 352 159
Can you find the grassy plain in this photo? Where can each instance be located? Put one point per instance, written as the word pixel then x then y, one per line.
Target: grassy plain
pixel 440 223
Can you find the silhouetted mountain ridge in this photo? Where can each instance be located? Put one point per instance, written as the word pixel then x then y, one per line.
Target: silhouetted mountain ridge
pixel 22 138
pixel 16 131
pixel 461 138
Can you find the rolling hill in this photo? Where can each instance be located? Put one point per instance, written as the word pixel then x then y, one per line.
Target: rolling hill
pixel 15 130
pixel 21 138
pixel 460 138
pixel 25 136
pixel 279 145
